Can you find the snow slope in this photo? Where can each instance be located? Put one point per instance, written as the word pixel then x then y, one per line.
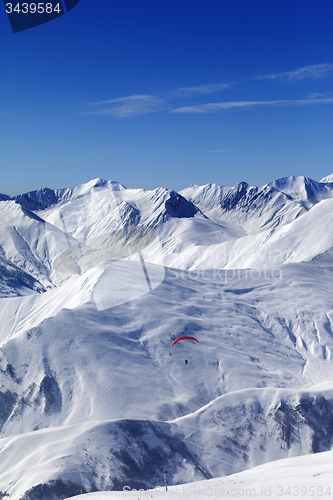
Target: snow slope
pixel 300 240
pixel 93 396
pixel 305 477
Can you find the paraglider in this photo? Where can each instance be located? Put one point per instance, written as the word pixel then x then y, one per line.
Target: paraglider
pixel 184 337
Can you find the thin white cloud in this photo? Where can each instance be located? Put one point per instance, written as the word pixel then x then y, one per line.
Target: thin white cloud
pixel 132 105
pixel 139 104
pixel 123 99
pixel 216 107
pixel 317 95
pixel 314 71
pixel 209 88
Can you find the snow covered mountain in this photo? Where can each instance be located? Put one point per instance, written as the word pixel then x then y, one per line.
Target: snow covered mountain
pixel 97 282
pixel 328 178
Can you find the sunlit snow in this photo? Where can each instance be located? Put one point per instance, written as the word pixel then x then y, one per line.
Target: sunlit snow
pixel 97 282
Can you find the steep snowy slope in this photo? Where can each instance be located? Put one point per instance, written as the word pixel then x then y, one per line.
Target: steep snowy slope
pixel 14 281
pixel 23 242
pixel 93 395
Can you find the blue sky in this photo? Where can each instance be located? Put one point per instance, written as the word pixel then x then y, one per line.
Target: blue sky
pixel 168 93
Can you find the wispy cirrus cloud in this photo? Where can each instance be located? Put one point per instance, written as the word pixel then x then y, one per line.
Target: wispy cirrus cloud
pixel 139 104
pixel 314 71
pixel 132 105
pixel 209 88
pixel 218 107
pixel 317 95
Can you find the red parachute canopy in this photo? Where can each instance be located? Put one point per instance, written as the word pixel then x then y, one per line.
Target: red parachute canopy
pixel 184 337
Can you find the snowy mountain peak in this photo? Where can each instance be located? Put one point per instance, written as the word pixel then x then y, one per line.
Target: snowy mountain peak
pixel 39 199
pixel 97 184
pixel 302 189
pixel 129 215
pixel 178 206
pixel 44 198
pixel 328 178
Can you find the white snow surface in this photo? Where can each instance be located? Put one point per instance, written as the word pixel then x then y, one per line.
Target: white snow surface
pixel 309 476
pixel 328 178
pixel 97 282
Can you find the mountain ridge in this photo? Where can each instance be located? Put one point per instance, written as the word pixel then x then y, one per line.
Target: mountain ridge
pixel 42 198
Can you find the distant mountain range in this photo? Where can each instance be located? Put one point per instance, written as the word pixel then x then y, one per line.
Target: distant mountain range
pixel 98 280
